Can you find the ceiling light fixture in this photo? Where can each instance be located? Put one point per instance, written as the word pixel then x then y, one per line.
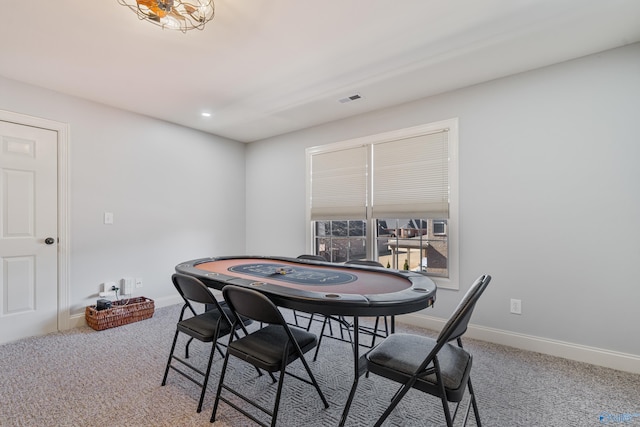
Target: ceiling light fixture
pixel 173 14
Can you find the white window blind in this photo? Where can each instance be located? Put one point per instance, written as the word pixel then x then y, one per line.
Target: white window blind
pixel 339 184
pixel 411 177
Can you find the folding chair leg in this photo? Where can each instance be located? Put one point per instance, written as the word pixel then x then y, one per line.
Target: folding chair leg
pixel 173 347
pixel 295 317
pixel 375 330
pixel 220 349
pixel 343 326
pixel 349 331
pixel 220 384
pixel 324 324
pixel 206 377
pixel 475 404
pixel 313 380
pixel 443 395
pixel 447 411
pixel 186 348
pixel 276 405
pixel 398 397
pixel 310 322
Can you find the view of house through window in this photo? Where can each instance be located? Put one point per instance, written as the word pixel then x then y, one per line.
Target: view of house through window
pixel 340 241
pixel 412 244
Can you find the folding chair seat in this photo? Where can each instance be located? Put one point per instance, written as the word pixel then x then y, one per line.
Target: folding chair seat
pixel 209 326
pixel 434 366
pixel 271 348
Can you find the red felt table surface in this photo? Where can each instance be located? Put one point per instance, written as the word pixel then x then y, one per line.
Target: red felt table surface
pixel 366 283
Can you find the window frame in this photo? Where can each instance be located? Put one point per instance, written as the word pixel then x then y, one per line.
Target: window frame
pixel 444 228
pixel 452 227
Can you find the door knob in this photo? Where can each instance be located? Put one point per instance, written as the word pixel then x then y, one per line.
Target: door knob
pixel 49 240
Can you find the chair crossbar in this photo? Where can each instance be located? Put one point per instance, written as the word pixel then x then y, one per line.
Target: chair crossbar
pixel 304 380
pixel 257 406
pixel 187 376
pixel 243 411
pixel 185 363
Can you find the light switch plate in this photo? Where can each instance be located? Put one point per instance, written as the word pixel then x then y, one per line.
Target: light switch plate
pixel 108 217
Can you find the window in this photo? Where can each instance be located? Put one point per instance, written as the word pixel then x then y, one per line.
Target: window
pixel 339 241
pixel 439 228
pixel 391 197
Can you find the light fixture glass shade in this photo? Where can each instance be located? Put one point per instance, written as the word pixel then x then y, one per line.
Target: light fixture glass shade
pixel 173 14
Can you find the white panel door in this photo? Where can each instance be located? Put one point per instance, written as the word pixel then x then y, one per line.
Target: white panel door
pixel 28 231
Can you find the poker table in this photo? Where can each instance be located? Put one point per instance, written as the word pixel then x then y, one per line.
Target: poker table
pixel 321 287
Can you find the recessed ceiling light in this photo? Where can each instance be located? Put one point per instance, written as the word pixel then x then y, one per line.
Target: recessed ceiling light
pixel 205 114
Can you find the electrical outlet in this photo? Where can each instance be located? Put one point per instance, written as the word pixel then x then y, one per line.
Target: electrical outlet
pixel 516 306
pixel 107 290
pixel 138 282
pixel 126 287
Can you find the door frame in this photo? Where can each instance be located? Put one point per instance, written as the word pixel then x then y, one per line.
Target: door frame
pixel 62 130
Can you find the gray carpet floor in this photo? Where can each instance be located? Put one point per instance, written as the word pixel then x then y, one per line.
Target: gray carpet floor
pixel 84 377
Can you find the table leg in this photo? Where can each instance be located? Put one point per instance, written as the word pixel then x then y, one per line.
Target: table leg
pixel 357 369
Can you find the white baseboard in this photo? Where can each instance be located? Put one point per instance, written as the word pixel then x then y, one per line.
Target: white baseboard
pixel 581 353
pixel 77 320
pixel 167 301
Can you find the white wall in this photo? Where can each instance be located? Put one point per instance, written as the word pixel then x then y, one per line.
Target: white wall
pixel 175 193
pixel 548 180
pixel 549 197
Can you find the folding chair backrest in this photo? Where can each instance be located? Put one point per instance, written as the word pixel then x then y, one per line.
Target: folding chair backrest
pixel 368 262
pixel 252 304
pixel 192 289
pixel 459 320
pixel 312 257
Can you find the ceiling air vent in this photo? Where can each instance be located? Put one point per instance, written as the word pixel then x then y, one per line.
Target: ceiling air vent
pixel 350 98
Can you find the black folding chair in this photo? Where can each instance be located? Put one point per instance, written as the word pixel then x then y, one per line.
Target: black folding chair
pixel 271 348
pixel 206 327
pixel 374 331
pixel 434 366
pixel 346 326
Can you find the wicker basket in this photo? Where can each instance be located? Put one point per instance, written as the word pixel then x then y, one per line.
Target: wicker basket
pixel 122 312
